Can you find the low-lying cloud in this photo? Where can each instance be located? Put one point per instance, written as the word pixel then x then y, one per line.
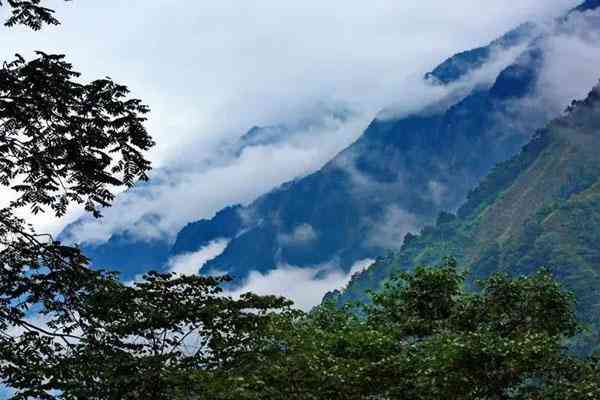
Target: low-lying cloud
pixel 303 234
pixel 305 286
pixel 390 232
pixel 192 263
pixel 572 57
pixel 420 96
pixel 173 199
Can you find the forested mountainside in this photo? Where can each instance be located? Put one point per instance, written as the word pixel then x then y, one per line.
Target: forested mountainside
pixel 132 253
pixel 395 179
pixel 539 209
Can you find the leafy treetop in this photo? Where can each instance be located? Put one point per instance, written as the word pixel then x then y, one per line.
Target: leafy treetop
pixel 29 13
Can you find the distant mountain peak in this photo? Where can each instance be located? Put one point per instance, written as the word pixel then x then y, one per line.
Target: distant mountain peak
pixel 461 64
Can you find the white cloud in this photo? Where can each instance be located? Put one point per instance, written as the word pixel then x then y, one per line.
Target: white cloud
pixel 572 57
pixel 301 235
pixel 305 286
pixel 390 231
pixel 212 69
pixel 437 191
pixel 191 263
pixel 190 194
pixel 419 95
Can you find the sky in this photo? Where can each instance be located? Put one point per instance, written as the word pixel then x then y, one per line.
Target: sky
pixel 211 70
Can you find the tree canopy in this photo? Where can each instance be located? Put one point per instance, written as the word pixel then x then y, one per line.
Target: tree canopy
pixel 68 331
pixel 62 141
pixel 29 13
pixel 423 337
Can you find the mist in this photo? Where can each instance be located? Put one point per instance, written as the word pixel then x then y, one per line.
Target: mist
pixel 212 70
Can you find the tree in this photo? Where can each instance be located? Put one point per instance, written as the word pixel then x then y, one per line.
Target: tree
pixel 113 341
pixel 61 142
pixel 29 13
pixel 422 337
pixel 67 331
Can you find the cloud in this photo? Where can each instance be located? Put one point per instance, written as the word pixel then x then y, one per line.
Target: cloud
pixel 210 70
pixel 189 194
pixel 572 56
pixel 571 52
pixel 305 286
pixel 389 232
pixel 191 263
pixel 437 191
pixel 302 235
pixel 420 96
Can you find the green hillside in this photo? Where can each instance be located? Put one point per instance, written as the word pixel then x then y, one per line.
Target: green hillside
pixel 539 209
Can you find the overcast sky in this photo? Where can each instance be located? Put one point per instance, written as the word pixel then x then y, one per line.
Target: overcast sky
pixel 208 66
pixel 210 70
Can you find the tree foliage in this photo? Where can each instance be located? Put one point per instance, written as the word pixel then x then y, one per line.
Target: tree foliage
pixel 423 337
pixel 112 341
pixel 67 331
pixel 29 13
pixel 62 141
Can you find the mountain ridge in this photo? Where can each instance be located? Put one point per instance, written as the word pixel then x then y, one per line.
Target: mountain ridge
pixel 394 179
pixel 339 207
pixel 539 209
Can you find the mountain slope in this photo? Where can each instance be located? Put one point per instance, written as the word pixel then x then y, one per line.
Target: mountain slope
pixel 461 64
pixel 393 180
pixel 541 208
pixel 138 233
pixel 402 171
pixel 588 5
pixel 396 178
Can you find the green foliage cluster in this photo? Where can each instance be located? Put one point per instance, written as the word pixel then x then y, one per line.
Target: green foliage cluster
pixel 100 339
pixel 424 336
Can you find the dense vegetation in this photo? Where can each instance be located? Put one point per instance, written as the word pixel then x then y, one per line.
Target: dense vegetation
pixel 424 336
pixel 540 208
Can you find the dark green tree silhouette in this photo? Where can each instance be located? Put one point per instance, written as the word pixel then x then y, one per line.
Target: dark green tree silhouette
pixel 67 331
pixel 423 337
pixel 29 13
pixel 61 142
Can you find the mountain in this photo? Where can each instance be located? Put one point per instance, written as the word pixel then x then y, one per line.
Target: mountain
pixel 539 209
pixel 396 178
pixel 461 64
pixel 588 5
pixel 134 238
pixel 316 117
pixel 403 170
